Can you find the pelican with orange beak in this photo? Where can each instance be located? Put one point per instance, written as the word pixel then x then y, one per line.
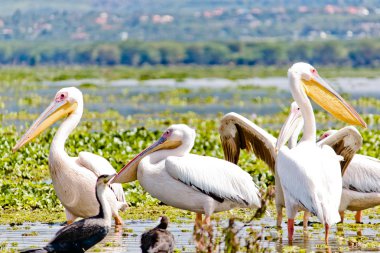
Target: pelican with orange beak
pixel 310 174
pixel 74 178
pixel 200 184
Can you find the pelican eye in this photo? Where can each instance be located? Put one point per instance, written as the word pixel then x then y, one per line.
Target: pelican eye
pixel 61 96
pixel 168 133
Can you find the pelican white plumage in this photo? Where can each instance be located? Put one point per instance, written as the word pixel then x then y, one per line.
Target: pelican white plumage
pixel 361 180
pixel 310 174
pixel 201 184
pixel 346 142
pixel 74 178
pixel 237 132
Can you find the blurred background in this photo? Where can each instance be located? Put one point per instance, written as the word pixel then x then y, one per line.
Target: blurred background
pixel 209 32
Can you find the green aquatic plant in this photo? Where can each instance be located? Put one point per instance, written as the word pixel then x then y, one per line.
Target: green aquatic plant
pixel 25 179
pixel 26 192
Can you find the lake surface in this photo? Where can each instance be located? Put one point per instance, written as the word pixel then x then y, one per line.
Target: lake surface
pixel 128 239
pixel 209 96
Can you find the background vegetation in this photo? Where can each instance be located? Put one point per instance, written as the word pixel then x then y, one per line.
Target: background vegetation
pixel 362 53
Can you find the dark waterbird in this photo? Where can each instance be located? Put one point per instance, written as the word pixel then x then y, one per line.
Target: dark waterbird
pixel 158 239
pixel 83 234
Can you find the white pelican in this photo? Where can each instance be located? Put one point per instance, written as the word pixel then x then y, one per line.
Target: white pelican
pixel 346 142
pixel 201 184
pixel 237 132
pixel 361 181
pixel 310 175
pixel 74 178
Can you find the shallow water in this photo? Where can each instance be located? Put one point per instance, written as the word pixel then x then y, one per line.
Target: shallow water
pixel 359 86
pixel 127 240
pixel 259 96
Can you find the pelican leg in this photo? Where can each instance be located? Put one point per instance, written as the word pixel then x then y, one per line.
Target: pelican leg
pixel 118 220
pixel 200 234
pixel 327 227
pixel 279 217
pixel 290 229
pixel 207 220
pixel 198 220
pixel 306 216
pixel 70 217
pixel 358 217
pixel 341 216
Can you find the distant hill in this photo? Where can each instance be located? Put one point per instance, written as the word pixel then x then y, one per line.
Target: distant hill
pixel 187 20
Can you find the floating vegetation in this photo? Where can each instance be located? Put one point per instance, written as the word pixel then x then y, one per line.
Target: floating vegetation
pixel 119 122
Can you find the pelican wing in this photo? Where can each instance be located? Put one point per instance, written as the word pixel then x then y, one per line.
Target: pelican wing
pixel 363 174
pixel 237 132
pixel 310 177
pixel 345 142
pixel 100 166
pixel 215 177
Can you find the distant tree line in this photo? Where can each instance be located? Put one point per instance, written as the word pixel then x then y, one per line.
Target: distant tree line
pixel 364 53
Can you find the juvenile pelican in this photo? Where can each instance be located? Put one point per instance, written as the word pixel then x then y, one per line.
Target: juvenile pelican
pixel 158 239
pixel 361 181
pixel 83 234
pixel 74 178
pixel 310 175
pixel 201 184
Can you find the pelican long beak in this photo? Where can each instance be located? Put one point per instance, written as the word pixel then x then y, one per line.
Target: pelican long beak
pixel 129 172
pixel 54 112
pixel 287 130
pixel 321 92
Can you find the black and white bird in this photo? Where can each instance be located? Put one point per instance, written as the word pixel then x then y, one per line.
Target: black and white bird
pixel 83 234
pixel 158 239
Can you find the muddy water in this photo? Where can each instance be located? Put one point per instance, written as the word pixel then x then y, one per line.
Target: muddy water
pixel 127 240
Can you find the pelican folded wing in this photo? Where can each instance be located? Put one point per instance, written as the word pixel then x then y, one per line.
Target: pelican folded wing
pixel 217 178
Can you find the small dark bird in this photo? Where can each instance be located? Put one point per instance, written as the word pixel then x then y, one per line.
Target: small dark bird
pixel 83 234
pixel 158 239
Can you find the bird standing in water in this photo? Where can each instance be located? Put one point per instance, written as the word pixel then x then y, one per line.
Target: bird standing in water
pixel 83 234
pixel 310 175
pixel 74 178
pixel 201 184
pixel 158 239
